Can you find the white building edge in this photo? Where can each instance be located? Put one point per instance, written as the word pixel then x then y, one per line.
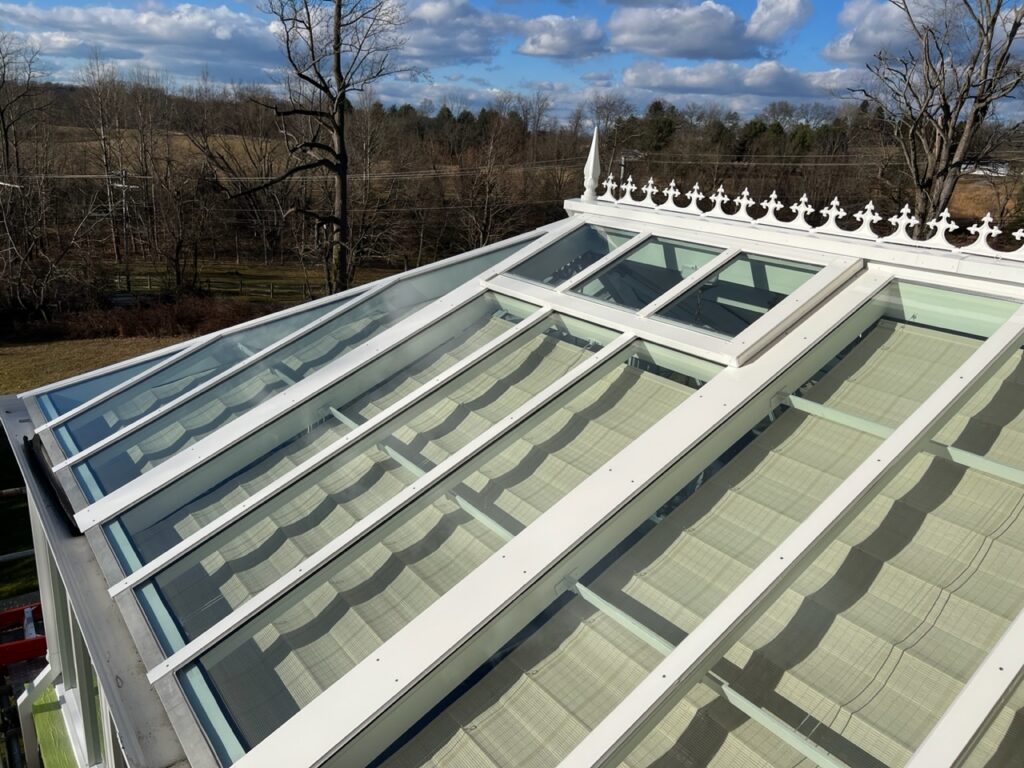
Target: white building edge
pixel 657 484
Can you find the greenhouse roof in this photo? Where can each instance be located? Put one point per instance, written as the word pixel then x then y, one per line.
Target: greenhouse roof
pixel 653 482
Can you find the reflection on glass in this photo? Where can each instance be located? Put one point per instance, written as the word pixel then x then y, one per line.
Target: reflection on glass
pixel 738 294
pixel 228 569
pixel 197 417
pixel 646 272
pixel 269 668
pixel 177 379
pixel 57 402
pixel 573 253
pixel 208 491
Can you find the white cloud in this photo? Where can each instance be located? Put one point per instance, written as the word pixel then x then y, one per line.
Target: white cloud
pixel 773 20
pixel 765 78
pixel 708 30
pixel 179 39
pixel 872 26
pixel 565 37
pixel 443 32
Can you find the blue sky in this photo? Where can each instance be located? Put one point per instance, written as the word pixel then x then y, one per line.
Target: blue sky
pixel 739 53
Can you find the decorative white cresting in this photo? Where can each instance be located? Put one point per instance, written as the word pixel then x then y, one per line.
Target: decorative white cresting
pixel 903 222
pixel 832 214
pixel 771 205
pixel 592 171
pixel 867 218
pixel 981 247
pixel 719 199
pixel 670 201
pixel 743 204
pixel 627 191
pixel 1018 235
pixel 942 224
pixel 649 190
pixel 801 208
pixel 609 190
pixel 694 196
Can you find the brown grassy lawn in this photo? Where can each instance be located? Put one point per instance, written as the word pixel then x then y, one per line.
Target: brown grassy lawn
pixel 24 366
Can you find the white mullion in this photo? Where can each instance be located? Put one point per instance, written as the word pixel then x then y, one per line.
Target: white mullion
pixel 195 345
pixel 244 425
pixel 221 377
pixel 326 454
pixel 671 335
pixel 618 733
pixel 464 626
pixel 384 513
pixel 612 256
pixel 962 725
pixel 694 278
pixel 266 352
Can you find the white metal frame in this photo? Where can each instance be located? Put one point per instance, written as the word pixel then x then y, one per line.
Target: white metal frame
pixel 352 537
pixel 238 429
pixel 326 454
pixel 441 631
pixel 689 662
pixel 357 296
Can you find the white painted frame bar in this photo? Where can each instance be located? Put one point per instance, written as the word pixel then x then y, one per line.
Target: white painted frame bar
pixel 429 387
pixel 195 346
pixel 963 724
pixel 246 424
pixel 618 733
pixel 382 514
pixel 336 720
pixel 731 352
pixel 362 297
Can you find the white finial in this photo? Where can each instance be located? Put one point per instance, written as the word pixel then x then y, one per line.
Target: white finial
pixel 650 191
pixel 672 193
pixel 903 223
pixel 609 190
pixel 771 205
pixel 867 217
pixel 743 203
pixel 719 198
pixel 627 190
pixel 1019 234
pixel 941 224
pixel 981 245
pixel 832 215
pixel 694 196
pixel 801 208
pixel 592 171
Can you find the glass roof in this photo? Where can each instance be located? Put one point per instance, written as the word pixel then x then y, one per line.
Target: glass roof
pixel 156 441
pixel 738 294
pixel 336 617
pixel 275 561
pixel 572 254
pixel 646 272
pixel 179 378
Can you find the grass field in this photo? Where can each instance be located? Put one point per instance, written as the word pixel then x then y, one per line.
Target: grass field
pixel 25 366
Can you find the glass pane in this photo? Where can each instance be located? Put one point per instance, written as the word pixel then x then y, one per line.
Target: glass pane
pixel 275 664
pixel 57 402
pixel 197 417
pixel 228 569
pixel 573 253
pixel 145 396
pixel 541 695
pixel 877 636
pixel 738 294
pixel 646 272
pixel 226 480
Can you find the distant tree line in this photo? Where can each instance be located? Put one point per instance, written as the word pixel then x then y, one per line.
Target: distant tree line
pixel 122 171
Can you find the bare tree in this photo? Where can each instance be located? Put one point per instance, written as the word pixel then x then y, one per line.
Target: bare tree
pixel 937 95
pixel 19 73
pixel 333 48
